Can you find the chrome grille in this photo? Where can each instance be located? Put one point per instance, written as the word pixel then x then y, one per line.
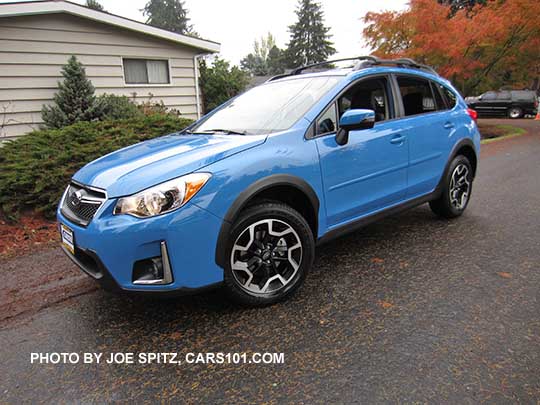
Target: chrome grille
pixel 81 203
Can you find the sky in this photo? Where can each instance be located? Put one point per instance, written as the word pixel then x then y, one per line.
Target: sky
pixel 237 23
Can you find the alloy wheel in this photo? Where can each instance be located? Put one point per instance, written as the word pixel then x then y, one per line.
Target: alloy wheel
pixel 460 187
pixel 515 113
pixel 266 256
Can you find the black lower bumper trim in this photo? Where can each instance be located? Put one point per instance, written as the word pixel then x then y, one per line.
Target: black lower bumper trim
pixel 99 272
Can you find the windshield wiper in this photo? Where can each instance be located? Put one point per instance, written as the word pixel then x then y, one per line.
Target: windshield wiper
pixel 224 131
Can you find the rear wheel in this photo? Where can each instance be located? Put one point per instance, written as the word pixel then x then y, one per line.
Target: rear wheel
pixel 456 191
pixel 270 251
pixel 515 112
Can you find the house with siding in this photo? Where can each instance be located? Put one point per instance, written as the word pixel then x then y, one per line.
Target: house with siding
pixel 121 56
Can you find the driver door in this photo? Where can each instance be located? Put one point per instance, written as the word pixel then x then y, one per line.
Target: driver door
pixel 369 172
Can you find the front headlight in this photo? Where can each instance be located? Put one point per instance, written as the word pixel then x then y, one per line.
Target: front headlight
pixel 163 198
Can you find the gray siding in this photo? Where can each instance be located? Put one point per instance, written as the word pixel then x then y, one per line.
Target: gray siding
pixel 34 48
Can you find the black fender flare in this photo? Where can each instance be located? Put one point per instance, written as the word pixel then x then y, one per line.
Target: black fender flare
pixel 463 142
pixel 245 196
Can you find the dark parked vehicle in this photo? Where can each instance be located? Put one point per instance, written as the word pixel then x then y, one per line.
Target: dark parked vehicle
pixel 508 103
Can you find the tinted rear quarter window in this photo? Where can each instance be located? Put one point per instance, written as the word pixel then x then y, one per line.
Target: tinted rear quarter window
pixel 439 99
pixel 449 95
pixel 523 95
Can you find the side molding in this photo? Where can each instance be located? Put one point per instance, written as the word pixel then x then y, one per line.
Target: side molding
pixel 245 196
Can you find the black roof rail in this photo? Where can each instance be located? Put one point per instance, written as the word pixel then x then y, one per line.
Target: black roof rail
pixel 363 63
pixel 299 70
pixel 281 76
pixel 400 62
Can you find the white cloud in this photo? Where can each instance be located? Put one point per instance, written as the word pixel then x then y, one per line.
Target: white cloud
pixel 237 23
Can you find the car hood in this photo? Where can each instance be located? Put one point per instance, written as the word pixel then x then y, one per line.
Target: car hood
pixel 471 99
pixel 148 163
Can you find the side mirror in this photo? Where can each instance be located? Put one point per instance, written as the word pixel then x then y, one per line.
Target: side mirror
pixel 354 120
pixel 479 98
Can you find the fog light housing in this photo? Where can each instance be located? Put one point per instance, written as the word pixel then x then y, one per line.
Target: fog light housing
pixel 154 270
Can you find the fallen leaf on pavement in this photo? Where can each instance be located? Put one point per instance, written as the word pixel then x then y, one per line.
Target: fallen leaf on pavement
pixel 377 260
pixel 403 265
pixel 385 304
pixel 504 275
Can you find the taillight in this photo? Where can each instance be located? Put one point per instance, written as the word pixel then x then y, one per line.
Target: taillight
pixel 473 114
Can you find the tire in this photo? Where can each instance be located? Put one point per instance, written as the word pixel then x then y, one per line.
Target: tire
pixel 456 191
pixel 269 253
pixel 515 112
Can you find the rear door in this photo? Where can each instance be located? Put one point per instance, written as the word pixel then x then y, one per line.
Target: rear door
pixel 428 125
pixel 369 172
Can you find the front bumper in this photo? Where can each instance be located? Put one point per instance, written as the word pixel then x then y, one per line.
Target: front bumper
pixel 109 246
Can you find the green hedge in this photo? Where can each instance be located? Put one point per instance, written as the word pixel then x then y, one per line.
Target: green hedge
pixel 36 168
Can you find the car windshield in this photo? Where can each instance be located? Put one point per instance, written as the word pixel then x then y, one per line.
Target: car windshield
pixel 272 107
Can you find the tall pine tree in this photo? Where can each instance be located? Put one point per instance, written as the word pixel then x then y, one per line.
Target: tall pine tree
pixel 170 15
pixel 310 40
pixel 75 100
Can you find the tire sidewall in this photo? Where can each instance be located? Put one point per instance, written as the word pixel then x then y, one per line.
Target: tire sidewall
pixel 297 222
pixel 519 110
pixel 446 191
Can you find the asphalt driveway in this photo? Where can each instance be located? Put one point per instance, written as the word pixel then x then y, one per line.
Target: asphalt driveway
pixel 411 309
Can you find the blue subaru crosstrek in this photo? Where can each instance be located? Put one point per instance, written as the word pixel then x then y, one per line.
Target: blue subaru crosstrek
pixel 243 196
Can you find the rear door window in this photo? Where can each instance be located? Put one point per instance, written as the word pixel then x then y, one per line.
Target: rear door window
pixel 416 95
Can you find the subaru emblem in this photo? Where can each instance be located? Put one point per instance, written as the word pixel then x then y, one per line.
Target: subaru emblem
pixel 76 198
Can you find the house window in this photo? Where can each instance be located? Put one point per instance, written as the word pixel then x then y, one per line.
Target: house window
pixel 146 71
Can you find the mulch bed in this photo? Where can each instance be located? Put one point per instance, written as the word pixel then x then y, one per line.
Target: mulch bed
pixel 491 131
pixel 32 232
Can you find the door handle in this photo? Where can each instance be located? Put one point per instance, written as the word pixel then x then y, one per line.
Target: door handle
pixel 448 125
pixel 398 139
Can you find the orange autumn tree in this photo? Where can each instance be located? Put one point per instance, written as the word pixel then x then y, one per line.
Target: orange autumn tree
pixel 486 47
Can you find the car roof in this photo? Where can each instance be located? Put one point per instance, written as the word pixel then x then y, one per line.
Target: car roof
pixel 361 66
pixel 349 74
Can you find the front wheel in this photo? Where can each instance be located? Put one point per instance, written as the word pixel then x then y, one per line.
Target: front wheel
pixel 270 250
pixel 457 187
pixel 515 112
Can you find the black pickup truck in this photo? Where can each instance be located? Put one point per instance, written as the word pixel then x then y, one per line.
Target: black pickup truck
pixel 508 103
